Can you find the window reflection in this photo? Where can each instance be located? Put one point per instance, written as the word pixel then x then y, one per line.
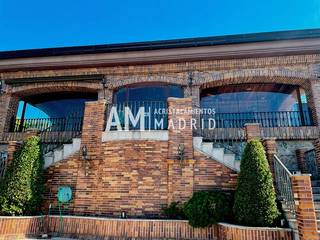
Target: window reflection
pixel 269 104
pixel 147 93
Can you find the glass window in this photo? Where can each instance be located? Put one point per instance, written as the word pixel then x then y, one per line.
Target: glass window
pixel 147 93
pixel 281 104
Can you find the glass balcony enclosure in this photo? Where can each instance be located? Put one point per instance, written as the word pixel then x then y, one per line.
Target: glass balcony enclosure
pixel 51 112
pixel 271 105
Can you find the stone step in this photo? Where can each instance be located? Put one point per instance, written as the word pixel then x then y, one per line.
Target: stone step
pixel 316 197
pixel 317 205
pixel 197 142
pixel 316 190
pixel 62 152
pixel 292 223
pixel 315 183
pixel 218 153
pixel 207 147
pixel 76 143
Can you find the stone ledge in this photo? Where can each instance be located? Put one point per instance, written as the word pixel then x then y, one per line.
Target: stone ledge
pixel 153 135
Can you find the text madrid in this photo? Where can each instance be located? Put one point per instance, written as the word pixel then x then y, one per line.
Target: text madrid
pixel 122 121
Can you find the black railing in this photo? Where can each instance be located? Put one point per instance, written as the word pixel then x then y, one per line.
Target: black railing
pixel 3 163
pixel 311 163
pixel 266 119
pixel 155 114
pixel 47 124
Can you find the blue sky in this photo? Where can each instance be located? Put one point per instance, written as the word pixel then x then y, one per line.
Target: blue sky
pixel 26 24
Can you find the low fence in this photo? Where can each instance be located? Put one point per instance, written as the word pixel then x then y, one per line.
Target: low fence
pixel 73 226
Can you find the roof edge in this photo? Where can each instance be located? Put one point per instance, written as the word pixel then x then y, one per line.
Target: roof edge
pixel 164 44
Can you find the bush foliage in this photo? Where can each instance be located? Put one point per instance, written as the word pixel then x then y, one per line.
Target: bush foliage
pixel 255 198
pixel 207 208
pixel 174 211
pixel 21 188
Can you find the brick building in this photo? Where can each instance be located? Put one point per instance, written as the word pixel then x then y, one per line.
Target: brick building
pixel 269 79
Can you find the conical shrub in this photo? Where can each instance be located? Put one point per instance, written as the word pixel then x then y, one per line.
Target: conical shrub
pixel 255 197
pixel 22 187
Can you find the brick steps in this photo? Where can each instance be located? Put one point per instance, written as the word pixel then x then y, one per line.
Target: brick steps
pixel 62 152
pixel 227 159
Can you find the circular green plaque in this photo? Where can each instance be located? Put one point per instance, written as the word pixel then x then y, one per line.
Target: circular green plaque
pixel 64 194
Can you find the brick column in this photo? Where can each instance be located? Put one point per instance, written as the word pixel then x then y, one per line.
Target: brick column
pixel 91 138
pixel 252 131
pixel 316 145
pixel 180 111
pixel 13 146
pixel 107 93
pixel 180 173
pixel 270 147
pixel 313 96
pixel 301 160
pixel 194 93
pixel 9 106
pixel 305 211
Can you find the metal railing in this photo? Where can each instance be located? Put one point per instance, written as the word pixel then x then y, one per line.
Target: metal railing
pixel 284 185
pixel 48 124
pixel 3 163
pixel 155 114
pixel 266 119
pixel 311 163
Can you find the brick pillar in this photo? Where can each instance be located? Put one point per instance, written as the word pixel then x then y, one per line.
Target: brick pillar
pixel 30 132
pixel 87 179
pixel 194 93
pixel 13 146
pixel 305 211
pixel 252 131
pixel 300 160
pixel 180 111
pixel 180 180
pixel 316 145
pixel 180 173
pixel 105 93
pixel 9 106
pixel 270 147
pixel 313 96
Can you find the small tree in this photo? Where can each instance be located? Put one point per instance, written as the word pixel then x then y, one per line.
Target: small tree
pixel 22 187
pixel 255 198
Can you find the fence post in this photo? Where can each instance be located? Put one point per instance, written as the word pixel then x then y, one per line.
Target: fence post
pixel 301 160
pixel 304 205
pixel 252 131
pixel 316 144
pixel 270 147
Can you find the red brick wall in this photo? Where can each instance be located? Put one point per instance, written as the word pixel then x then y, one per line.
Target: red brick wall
pixel 228 232
pixel 210 174
pixel 62 173
pixel 137 177
pixel 132 178
pixel 81 227
pixel 139 184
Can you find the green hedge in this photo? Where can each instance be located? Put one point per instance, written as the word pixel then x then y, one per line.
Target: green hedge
pixel 255 197
pixel 22 187
pixel 207 208
pixel 174 211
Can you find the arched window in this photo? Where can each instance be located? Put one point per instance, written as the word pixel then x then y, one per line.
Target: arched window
pixel 269 104
pixel 155 92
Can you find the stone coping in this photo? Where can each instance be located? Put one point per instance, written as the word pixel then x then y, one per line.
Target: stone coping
pixel 254 228
pixel 152 135
pixel 146 219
